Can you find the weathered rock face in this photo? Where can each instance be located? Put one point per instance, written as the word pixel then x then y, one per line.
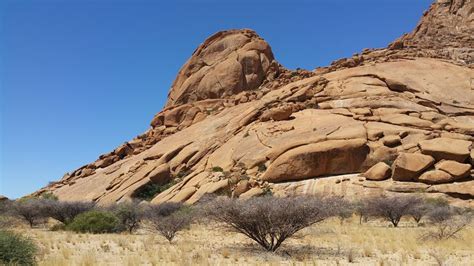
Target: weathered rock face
pixel 323 158
pixel 227 63
pixel 237 123
pixel 445 31
pixel 446 28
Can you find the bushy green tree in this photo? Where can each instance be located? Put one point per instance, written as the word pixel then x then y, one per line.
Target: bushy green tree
pixel 96 222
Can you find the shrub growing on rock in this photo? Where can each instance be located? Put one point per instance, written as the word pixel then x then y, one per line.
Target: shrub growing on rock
pixel 96 222
pixel 268 221
pixel 16 249
pixel 150 190
pixel 48 196
pixel 217 169
pixel 169 218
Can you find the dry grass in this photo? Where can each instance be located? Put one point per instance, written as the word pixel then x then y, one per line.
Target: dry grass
pixel 328 243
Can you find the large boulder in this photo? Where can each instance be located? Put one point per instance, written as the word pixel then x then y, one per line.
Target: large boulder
pixel 408 166
pixel 226 63
pixel 457 170
pixel 379 171
pixel 446 148
pixel 277 114
pixel 436 177
pixel 161 174
pixel 253 192
pixel 326 158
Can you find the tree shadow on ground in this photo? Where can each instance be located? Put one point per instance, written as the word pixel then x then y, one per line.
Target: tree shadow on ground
pixel 286 252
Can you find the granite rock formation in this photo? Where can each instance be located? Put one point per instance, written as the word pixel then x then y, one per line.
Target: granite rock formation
pixel 392 120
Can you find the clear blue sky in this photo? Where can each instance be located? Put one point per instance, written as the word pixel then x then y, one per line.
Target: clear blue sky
pixel 78 78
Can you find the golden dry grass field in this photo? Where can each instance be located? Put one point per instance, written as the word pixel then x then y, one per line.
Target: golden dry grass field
pixel 327 243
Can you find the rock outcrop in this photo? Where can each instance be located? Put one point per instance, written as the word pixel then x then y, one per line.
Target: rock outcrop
pixel 237 123
pixel 227 63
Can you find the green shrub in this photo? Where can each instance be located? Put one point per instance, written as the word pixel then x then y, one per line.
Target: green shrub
pixel 48 196
pixel 262 167
pixel 58 227
pixel 16 249
pixel 150 190
pixel 96 222
pixel 267 191
pixel 217 169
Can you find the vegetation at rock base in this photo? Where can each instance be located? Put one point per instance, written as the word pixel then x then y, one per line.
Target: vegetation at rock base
pixel 273 223
pixel 31 210
pixel 392 208
pixel 66 211
pixel 96 222
pixel 129 214
pixel 169 218
pixel 266 220
pixel 16 249
pixel 48 196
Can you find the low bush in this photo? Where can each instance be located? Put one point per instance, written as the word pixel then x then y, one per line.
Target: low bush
pixel 420 210
pixel 48 196
pixel 361 208
pixel 5 206
pixel 96 222
pixel 341 208
pixel 217 169
pixel 447 222
pixel 33 211
pixel 16 249
pixel 65 211
pixel 392 208
pixel 129 214
pixel 269 221
pixel 169 218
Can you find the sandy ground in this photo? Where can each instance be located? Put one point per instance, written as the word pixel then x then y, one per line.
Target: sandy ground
pixel 327 243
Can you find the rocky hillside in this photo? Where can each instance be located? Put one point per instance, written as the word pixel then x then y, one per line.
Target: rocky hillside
pixel 392 120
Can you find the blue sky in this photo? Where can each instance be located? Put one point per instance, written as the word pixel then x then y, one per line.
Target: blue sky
pixel 78 78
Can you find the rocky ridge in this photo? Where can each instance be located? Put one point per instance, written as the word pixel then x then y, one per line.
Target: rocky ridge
pixel 392 120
